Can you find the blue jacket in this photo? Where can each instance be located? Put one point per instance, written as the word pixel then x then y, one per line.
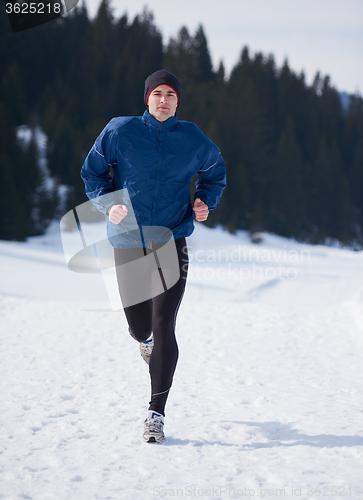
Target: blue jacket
pixel 155 162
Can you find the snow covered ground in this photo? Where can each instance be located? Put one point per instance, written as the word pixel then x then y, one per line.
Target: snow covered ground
pixel 267 398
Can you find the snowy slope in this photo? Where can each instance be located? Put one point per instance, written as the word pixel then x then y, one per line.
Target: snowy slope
pixel 267 396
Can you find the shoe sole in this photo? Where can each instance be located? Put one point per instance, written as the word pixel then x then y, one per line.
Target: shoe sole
pixel 153 439
pixel 146 359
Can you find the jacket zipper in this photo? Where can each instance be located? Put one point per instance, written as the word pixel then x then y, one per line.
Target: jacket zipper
pixel 156 174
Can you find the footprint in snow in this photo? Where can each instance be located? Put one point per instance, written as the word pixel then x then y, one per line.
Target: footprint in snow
pixel 77 478
pixel 67 397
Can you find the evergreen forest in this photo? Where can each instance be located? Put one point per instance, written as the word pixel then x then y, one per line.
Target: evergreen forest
pixel 294 154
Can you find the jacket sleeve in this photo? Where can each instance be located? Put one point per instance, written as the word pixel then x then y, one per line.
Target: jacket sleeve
pixel 211 179
pixel 96 171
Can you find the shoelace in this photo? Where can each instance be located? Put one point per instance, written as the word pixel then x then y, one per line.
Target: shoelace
pixel 155 424
pixel 148 347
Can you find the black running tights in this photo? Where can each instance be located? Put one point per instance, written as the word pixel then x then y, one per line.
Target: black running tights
pixel 158 316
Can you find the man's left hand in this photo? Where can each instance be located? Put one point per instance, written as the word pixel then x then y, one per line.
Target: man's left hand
pixel 200 210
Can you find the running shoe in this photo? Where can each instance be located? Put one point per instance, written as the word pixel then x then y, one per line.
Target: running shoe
pixel 154 427
pixel 146 348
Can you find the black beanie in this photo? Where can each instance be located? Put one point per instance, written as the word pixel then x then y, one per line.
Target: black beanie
pixel 162 77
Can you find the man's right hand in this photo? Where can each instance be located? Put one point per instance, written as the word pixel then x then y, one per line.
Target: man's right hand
pixel 116 213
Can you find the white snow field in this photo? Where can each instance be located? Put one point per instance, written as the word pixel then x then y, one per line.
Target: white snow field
pixel 267 399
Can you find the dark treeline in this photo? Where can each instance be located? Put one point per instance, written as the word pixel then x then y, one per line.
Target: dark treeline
pixel 294 156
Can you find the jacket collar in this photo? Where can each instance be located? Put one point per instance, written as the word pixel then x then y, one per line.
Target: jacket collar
pixel 154 123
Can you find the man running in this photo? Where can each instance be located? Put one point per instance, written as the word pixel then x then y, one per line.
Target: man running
pixel 155 157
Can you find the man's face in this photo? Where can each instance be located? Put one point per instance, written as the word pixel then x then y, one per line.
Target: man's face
pixel 162 102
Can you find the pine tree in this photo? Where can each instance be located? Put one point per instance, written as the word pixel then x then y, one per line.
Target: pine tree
pixel 287 190
pixel 179 56
pixel 204 70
